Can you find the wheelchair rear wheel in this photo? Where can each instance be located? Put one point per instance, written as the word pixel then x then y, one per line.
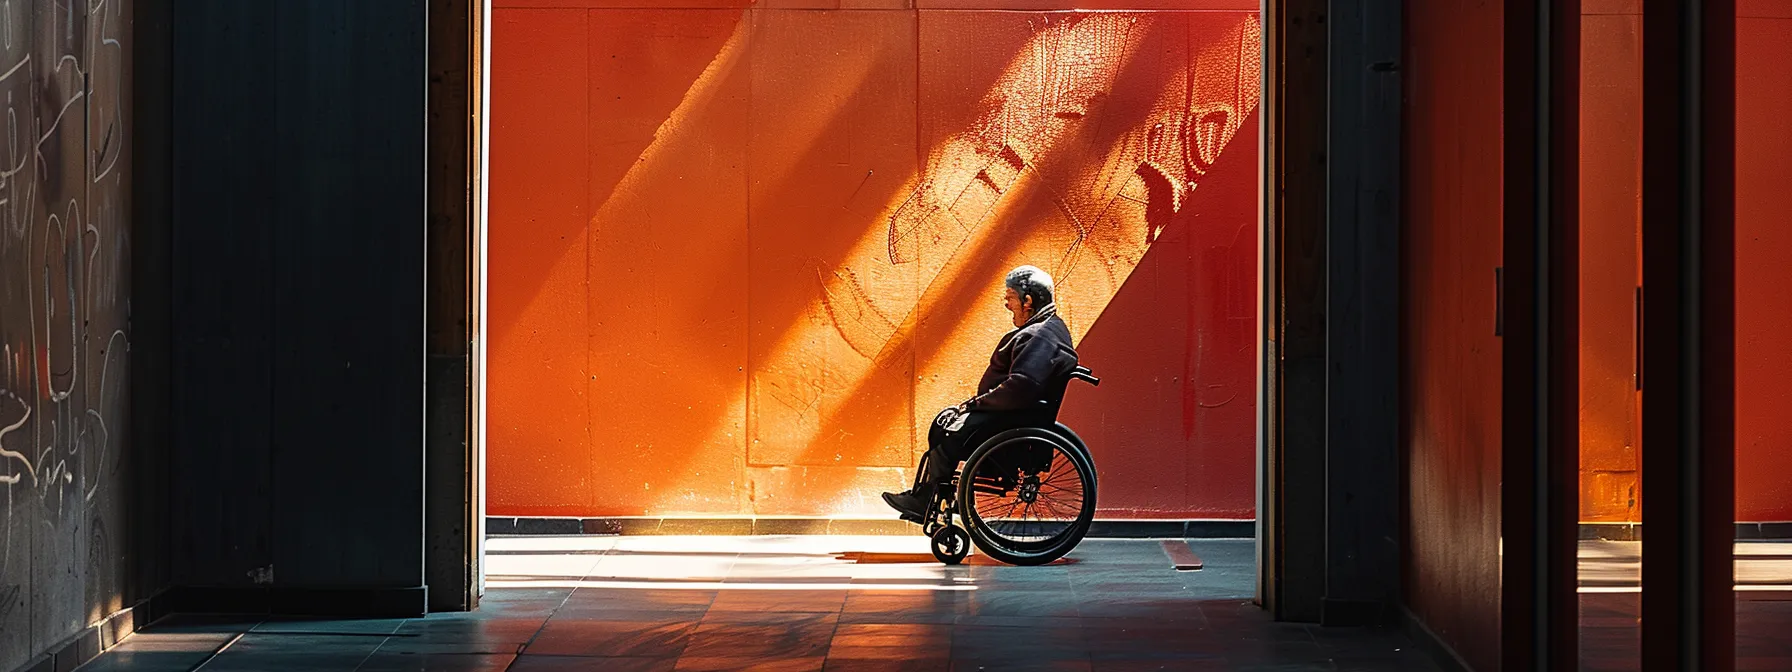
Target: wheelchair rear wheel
pixel 1027 496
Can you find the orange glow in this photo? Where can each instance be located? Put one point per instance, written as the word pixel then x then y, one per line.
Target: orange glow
pixel 1611 216
pixel 740 256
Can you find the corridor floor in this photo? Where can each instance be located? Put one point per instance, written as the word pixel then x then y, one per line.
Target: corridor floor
pixel 1611 606
pixel 624 604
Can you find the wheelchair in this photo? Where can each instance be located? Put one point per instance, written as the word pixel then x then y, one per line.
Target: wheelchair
pixel 1025 496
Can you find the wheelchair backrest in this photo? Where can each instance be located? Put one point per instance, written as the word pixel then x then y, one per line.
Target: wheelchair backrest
pixel 1063 370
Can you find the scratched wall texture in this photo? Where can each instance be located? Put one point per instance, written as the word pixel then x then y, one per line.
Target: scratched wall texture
pixel 738 257
pixel 64 317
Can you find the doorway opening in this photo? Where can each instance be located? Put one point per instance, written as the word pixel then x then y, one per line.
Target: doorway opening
pixel 734 259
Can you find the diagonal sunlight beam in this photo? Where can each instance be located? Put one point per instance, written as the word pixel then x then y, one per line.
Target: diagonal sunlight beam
pixel 785 384
pixel 977 262
pixel 942 230
pixel 698 177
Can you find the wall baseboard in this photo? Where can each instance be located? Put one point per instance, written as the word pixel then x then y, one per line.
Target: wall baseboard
pixel 87 644
pixel 1355 613
pixel 408 602
pixel 1764 530
pixel 95 639
pixel 643 526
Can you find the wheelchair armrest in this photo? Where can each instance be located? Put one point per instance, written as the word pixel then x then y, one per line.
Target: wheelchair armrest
pixel 1083 373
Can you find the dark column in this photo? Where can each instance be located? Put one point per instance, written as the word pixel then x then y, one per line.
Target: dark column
pixel 1293 512
pixel 223 294
pixel 1688 371
pixel 299 249
pixel 348 286
pixel 1362 469
pixel 1540 347
pixel 151 434
pixel 450 525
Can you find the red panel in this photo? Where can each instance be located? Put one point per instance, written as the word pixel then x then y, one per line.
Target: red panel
pixel 1187 318
pixel 1763 285
pixel 787 234
pixel 536 409
pixel 1610 216
pixel 1451 373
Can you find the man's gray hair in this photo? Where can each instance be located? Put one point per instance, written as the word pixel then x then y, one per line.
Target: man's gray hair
pixel 1031 281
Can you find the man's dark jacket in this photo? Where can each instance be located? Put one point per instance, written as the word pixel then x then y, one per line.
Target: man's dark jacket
pixel 1026 362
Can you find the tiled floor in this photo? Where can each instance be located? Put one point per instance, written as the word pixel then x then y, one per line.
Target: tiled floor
pixel 801 603
pixel 1610 603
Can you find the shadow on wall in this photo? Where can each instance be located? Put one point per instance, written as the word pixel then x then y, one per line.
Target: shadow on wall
pixel 737 268
pixel 64 332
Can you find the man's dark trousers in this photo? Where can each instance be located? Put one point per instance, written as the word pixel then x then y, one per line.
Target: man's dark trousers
pixel 945 449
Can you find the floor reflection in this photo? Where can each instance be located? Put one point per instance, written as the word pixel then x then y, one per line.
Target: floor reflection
pixel 1611 605
pixel 806 603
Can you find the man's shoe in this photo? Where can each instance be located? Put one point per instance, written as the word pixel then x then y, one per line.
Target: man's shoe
pixel 908 504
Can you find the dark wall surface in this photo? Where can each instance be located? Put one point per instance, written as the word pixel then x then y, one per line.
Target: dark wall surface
pixel 65 333
pixel 1450 367
pixel 298 294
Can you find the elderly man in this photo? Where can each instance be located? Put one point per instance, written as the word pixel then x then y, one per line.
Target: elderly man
pixel 1025 364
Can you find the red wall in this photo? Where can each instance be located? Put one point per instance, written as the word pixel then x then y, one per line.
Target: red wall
pixel 740 257
pixel 1611 163
pixel 1763 248
pixel 1451 370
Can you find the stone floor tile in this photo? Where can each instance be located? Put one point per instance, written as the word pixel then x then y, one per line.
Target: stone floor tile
pixel 662 639
pixel 529 663
pixel 769 642
pixel 401 662
pixel 750 664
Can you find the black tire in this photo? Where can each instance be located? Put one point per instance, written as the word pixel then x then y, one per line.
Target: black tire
pixel 1008 524
pixel 951 544
pixel 1068 433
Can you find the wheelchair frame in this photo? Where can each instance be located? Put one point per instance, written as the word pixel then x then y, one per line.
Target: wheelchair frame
pixel 952 542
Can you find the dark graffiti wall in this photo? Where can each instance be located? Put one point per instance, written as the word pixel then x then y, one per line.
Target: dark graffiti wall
pixel 64 318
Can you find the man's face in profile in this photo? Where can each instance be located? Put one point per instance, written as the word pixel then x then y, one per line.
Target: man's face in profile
pixel 1021 308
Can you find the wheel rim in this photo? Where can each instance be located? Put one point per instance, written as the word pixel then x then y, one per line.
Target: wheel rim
pixel 951 543
pixel 1027 494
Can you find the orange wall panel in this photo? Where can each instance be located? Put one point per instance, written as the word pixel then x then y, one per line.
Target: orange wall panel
pixel 1611 178
pixel 833 136
pixel 1763 283
pixel 536 405
pixel 667 263
pixel 794 225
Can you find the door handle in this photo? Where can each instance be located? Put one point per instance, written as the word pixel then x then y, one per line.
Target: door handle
pixel 1499 301
pixel 1636 363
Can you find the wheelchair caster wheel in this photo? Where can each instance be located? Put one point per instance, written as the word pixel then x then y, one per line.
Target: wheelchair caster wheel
pixel 951 544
